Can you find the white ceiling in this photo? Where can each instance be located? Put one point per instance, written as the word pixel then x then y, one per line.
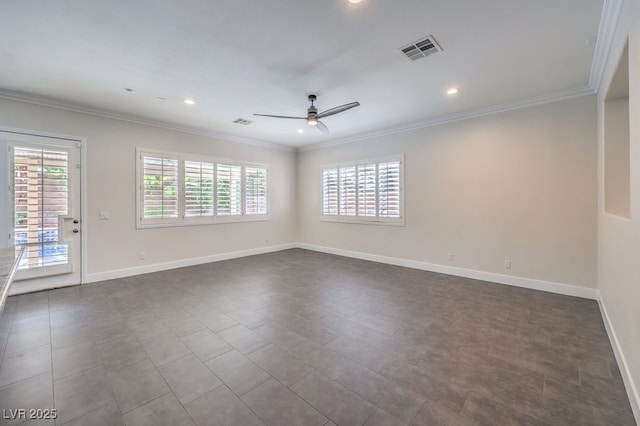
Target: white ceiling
pixel 236 58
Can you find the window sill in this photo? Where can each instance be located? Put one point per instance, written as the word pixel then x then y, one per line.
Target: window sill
pixel 363 221
pixel 217 221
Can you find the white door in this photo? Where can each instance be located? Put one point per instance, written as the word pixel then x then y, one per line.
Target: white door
pixel 44 209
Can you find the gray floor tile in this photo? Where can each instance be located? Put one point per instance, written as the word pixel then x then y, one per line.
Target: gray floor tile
pixel 423 383
pixel 183 325
pixel 109 415
pixel 237 372
pixel 81 394
pixel 248 317
pixel 206 344
pixel 165 348
pixel 243 339
pixel 476 351
pixel 329 362
pixel 119 353
pixel 74 359
pixel 163 411
pixel 221 407
pixel 70 335
pixel 23 365
pixel 279 336
pixel 484 411
pixel 398 401
pixel 21 341
pixel 107 331
pixel 380 418
pixel 277 405
pixel 283 366
pixel 189 378
pixel 145 329
pixel 433 413
pixel 33 393
pixel 137 384
pixel 333 400
pixel 216 321
pixel 360 353
pixel 37 319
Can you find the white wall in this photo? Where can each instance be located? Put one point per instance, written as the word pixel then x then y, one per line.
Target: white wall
pixel 519 185
pixel 619 238
pixel 113 245
pixel 616 157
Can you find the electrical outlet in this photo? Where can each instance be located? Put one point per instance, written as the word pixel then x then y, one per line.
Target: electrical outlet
pixel 141 255
pixel 450 256
pixel 507 264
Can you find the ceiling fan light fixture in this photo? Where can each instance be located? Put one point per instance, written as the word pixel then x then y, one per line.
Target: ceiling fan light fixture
pixel 312 121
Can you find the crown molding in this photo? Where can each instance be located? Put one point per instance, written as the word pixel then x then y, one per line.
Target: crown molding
pixel 438 121
pixel 46 102
pixel 611 12
pixel 447 119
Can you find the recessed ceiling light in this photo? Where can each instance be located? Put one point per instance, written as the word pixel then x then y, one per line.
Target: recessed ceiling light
pixel 355 1
pixel 189 102
pixel 452 91
pixel 127 89
pixel 300 131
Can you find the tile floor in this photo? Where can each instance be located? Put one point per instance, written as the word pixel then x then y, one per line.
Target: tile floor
pixel 303 338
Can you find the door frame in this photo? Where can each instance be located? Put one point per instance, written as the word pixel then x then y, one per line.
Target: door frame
pixel 82 141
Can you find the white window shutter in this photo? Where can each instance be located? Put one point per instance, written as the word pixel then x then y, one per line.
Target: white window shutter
pixel 389 189
pixel 255 190
pixel 330 192
pixel 160 200
pixel 198 189
pixel 347 191
pixel 367 189
pixel 229 190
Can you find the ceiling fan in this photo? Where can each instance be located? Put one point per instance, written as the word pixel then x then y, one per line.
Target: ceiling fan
pixel 313 116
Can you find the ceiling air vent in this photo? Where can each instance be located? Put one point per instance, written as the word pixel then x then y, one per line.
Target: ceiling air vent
pixel 421 48
pixel 242 121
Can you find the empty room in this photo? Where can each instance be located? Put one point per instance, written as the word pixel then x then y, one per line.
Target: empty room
pixel 338 212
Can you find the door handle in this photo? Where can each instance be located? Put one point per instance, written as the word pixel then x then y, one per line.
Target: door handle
pixel 75 230
pixel 76 221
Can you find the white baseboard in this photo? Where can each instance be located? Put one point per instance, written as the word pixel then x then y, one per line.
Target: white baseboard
pixel 157 267
pixel 552 287
pixel 630 386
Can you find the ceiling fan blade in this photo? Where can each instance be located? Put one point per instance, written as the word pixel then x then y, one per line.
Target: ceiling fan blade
pixel 337 110
pixel 280 116
pixel 320 126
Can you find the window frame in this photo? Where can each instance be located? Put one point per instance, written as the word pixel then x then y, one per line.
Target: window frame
pixel 357 219
pixel 183 219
